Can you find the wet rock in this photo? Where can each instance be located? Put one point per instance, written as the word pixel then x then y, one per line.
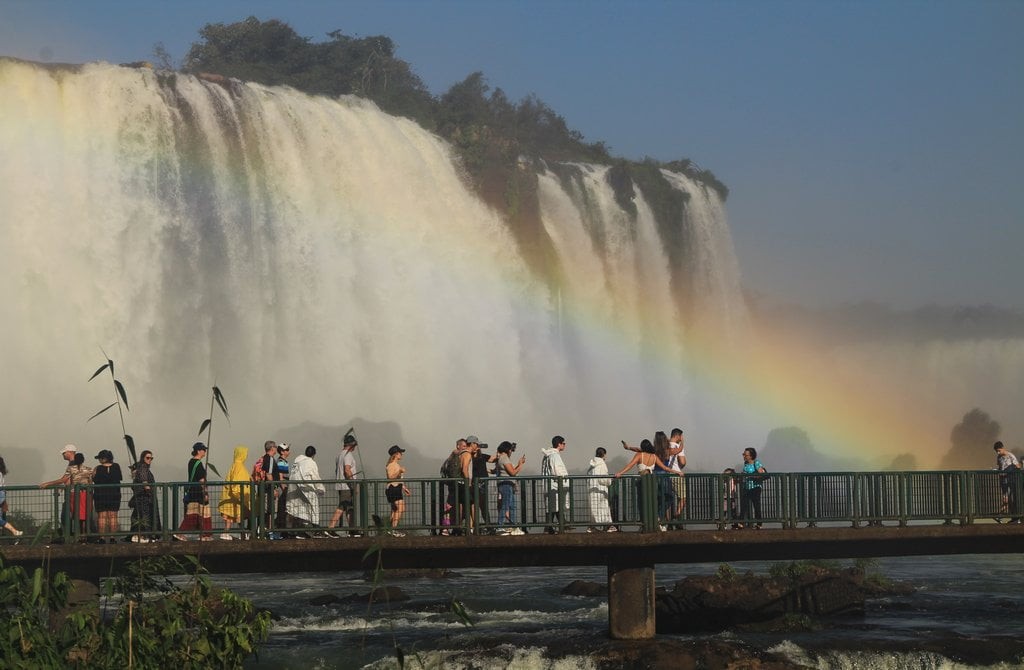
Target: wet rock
pixel 579 587
pixel 721 602
pixel 413 573
pixel 381 594
pixel 326 599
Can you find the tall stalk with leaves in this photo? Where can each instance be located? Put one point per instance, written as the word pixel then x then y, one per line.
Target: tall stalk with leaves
pixel 217 399
pixel 120 401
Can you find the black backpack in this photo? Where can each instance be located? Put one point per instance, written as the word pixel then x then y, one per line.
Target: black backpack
pixel 452 466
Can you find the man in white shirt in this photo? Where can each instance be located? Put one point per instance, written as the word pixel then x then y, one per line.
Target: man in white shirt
pixel 553 466
pixel 348 491
pixel 677 461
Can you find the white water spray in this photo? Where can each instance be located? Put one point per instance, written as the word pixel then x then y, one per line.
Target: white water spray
pixel 317 259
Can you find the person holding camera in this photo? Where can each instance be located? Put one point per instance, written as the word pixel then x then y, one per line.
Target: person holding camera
pixel 481 473
pixel 505 471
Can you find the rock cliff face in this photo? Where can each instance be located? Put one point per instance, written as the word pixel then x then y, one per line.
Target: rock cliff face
pixel 720 602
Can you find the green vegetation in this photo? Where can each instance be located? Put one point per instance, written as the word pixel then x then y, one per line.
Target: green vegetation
pixel 155 623
pixel 797 569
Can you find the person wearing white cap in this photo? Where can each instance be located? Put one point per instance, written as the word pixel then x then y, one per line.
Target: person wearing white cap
pixel 68 454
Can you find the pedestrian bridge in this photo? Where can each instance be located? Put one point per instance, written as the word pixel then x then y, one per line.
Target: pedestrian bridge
pixel 805 516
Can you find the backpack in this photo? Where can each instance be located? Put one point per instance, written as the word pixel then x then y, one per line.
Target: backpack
pixel 452 466
pixel 258 473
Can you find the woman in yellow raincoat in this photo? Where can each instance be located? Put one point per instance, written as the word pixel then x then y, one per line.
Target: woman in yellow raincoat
pixel 234 503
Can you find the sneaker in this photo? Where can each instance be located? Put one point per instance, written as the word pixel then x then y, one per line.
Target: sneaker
pixel 662 528
pixel 17 533
pixel 179 538
pixel 611 529
pixel 226 536
pixel 398 533
pixel 274 536
pixel 590 530
pixel 354 534
pixel 517 531
pixel 139 539
pixel 445 531
pixel 206 538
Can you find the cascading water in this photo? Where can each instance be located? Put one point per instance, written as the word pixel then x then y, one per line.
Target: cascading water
pixel 319 260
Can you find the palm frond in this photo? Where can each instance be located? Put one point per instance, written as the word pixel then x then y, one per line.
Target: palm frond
pixel 130 441
pixel 100 412
pixel 102 368
pixel 221 401
pixel 120 391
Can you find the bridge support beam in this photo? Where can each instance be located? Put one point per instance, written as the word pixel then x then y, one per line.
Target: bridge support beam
pixel 630 601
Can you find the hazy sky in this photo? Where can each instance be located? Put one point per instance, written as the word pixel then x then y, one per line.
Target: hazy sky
pixel 873 149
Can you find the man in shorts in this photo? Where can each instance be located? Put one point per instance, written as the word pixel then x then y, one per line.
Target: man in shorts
pixel 348 491
pixel 677 461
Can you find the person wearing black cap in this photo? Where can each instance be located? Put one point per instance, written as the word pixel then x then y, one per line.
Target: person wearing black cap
pixel 197 501
pixel 396 490
pixel 481 479
pixel 348 491
pixel 107 498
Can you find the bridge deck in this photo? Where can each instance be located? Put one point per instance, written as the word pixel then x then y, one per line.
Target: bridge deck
pixel 95 561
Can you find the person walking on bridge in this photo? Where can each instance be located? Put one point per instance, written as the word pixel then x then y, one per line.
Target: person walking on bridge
pixel 553 467
pixel 197 499
pixel 234 503
pixel 348 490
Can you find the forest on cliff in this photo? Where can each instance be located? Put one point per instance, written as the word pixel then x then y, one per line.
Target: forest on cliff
pixel 493 136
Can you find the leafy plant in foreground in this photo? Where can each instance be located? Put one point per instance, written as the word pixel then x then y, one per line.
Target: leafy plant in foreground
pixel 207 425
pixel 120 397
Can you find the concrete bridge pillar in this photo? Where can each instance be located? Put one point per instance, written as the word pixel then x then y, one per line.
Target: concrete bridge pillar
pixel 631 601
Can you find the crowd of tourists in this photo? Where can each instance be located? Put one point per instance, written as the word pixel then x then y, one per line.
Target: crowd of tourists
pixel 293 491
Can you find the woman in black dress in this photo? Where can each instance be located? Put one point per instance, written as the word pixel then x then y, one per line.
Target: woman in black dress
pixel 145 517
pixel 107 496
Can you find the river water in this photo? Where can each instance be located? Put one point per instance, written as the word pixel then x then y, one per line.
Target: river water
pixel 965 612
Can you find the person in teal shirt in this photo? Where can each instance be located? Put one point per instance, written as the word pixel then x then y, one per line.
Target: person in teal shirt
pixel 750 489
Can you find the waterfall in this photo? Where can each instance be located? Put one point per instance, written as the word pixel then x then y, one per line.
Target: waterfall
pixel 318 260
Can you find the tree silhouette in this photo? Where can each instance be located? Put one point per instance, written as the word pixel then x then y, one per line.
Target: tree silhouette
pixel 971 442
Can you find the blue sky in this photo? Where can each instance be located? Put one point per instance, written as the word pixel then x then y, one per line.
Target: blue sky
pixel 873 149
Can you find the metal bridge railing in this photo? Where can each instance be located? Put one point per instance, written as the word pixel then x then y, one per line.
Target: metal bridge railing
pixel 441 506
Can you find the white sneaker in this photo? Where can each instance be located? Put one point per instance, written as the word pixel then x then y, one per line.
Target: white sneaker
pixel 397 533
pixel 611 529
pixel 226 536
pixel 517 531
pixel 17 533
pixel 139 539
pixel 663 528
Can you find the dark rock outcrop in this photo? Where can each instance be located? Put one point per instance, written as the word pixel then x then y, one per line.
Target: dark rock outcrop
pixel 713 603
pixel 579 587
pixel 382 594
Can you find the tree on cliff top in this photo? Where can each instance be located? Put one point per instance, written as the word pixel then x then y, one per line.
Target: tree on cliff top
pixel 271 52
